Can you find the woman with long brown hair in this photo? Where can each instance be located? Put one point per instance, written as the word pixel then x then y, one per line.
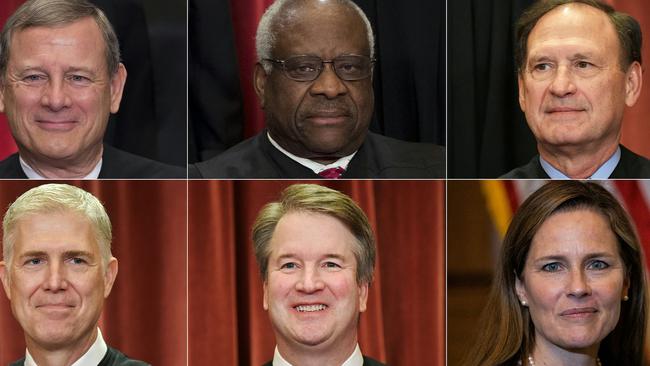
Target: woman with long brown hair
pixel 569 288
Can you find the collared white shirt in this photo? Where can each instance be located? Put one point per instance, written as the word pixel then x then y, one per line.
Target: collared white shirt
pixel 314 166
pixel 92 357
pixel 355 359
pixel 31 173
pixel 603 172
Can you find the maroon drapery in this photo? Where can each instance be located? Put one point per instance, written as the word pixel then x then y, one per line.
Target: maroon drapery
pixel 7 145
pixel 405 321
pixel 145 315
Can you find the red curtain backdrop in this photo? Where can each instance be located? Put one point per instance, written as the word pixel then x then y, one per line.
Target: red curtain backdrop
pixel 145 315
pixel 636 133
pixel 405 320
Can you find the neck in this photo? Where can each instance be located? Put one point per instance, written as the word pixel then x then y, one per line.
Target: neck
pixel 315 356
pixel 577 163
pixel 66 168
pixel 67 355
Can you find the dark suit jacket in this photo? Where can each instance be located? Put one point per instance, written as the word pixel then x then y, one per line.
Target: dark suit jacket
pixel 113 357
pixel 116 164
pixel 367 361
pixel 631 165
pixel 378 157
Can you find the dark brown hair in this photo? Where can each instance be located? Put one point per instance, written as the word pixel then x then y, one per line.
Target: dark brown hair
pixel 507 331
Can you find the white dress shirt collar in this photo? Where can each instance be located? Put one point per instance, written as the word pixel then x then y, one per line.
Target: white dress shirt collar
pixel 31 173
pixel 603 172
pixel 355 359
pixel 92 357
pixel 314 166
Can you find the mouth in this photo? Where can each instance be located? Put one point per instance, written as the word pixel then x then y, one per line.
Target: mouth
pixel 312 308
pixel 579 312
pixel 564 110
pixel 328 117
pixel 56 124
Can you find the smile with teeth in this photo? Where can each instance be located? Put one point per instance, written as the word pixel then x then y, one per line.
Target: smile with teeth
pixel 310 308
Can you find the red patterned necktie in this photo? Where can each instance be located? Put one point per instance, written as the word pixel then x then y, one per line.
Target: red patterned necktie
pixel 332 173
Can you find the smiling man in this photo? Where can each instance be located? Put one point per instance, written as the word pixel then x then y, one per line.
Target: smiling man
pixel 60 79
pixel 316 254
pixel 57 270
pixel 313 80
pixel 579 67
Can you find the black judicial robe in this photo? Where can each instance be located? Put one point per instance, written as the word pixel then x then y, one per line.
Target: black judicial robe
pixel 112 357
pixel 378 157
pixel 116 164
pixel 631 166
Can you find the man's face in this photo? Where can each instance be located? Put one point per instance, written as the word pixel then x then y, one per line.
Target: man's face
pixel 56 281
pixel 58 93
pixel 327 117
pixel 311 292
pixel 572 89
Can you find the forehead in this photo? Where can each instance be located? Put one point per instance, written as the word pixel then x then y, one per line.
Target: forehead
pixel 326 29
pixel 310 235
pixel 574 233
pixel 54 231
pixel 81 37
pixel 573 28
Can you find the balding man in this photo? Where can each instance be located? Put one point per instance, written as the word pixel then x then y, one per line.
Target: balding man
pixel 579 66
pixel 314 82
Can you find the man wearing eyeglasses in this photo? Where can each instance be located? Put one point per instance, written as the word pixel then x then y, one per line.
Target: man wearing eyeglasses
pixel 314 82
pixel 579 66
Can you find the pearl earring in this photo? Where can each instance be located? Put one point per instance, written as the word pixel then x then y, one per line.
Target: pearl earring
pixel 524 303
pixel 625 298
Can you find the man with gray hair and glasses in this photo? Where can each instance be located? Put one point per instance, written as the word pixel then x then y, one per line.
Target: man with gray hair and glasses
pixel 57 270
pixel 60 79
pixel 313 79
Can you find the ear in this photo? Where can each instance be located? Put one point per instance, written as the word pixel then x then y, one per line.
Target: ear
pixel 109 276
pixel 259 83
pixel 117 87
pixel 363 296
pixel 520 289
pixel 522 92
pixel 633 83
pixel 4 277
pixel 265 303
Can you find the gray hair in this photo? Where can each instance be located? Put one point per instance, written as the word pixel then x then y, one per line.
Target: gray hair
pixel 49 198
pixel 55 13
pixel 276 16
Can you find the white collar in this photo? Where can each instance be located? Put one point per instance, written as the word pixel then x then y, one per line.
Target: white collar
pixel 355 359
pixel 92 357
pixel 314 166
pixel 603 172
pixel 31 173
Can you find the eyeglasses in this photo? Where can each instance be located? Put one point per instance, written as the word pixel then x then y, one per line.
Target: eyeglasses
pixel 308 68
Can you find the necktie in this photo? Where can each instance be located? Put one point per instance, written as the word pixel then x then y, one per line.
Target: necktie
pixel 332 173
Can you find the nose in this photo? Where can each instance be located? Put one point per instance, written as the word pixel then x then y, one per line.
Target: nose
pixel 56 278
pixel 328 83
pixel 579 284
pixel 55 96
pixel 562 83
pixel 310 281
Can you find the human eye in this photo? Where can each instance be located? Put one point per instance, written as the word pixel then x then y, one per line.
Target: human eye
pixel 552 267
pixel 541 67
pixel 77 79
pixel 288 266
pixel 34 79
pixel 77 260
pixel 598 265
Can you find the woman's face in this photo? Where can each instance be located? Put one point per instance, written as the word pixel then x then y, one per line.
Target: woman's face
pixel 573 280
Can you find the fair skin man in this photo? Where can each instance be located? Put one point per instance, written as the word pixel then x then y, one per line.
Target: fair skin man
pixel 57 94
pixel 57 281
pixel 574 89
pixel 311 292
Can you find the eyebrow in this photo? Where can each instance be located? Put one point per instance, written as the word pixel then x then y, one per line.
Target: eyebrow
pixel 326 256
pixel 66 254
pixel 564 258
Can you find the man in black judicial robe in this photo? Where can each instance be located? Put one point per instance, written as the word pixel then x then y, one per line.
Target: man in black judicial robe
pixel 318 108
pixel 579 68
pixel 58 89
pixel 113 357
